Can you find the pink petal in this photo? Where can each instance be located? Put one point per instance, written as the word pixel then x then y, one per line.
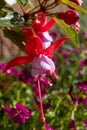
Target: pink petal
pixel 18 61
pixel 55 46
pixel 41 64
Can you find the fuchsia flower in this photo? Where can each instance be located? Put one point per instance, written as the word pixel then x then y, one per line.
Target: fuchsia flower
pixel 40 27
pixel 42 63
pixel 19 114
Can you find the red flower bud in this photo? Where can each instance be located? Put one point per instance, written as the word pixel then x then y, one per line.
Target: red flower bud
pixel 78 2
pixel 70 17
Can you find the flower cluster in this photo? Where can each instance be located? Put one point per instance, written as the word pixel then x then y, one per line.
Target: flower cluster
pixel 19 114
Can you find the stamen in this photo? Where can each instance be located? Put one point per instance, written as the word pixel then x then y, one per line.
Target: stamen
pixel 40 98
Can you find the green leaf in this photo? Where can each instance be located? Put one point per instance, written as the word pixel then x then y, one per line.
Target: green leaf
pixel 16 36
pixel 12 19
pixel 22 2
pixel 17 19
pixel 5 21
pixel 75 6
pixel 70 31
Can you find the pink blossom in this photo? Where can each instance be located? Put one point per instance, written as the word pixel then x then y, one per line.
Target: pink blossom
pixel 41 64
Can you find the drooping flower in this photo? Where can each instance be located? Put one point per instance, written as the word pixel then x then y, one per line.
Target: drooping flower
pixel 35 51
pixel 19 114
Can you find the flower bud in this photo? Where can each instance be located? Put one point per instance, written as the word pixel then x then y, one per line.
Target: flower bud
pixel 70 17
pixel 78 2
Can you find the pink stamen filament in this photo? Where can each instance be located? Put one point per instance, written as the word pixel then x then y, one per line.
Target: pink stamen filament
pixel 41 104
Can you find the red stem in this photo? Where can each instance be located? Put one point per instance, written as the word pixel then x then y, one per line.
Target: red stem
pixel 41 104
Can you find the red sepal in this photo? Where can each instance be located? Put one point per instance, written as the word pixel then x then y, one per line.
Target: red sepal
pixel 54 46
pixel 48 25
pixel 27 31
pixel 34 46
pixel 18 61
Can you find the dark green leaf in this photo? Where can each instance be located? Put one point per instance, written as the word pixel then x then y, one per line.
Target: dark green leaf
pixel 5 21
pixel 17 19
pixel 16 36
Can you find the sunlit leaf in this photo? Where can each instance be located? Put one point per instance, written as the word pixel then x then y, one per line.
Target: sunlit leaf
pixel 70 31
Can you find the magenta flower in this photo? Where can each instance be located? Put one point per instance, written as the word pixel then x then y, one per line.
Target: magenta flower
pixel 19 114
pixel 39 57
pixel 72 124
pixel 85 123
pixel 10 71
pixel 47 126
pixel 82 85
pixel 83 63
pixel 85 34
